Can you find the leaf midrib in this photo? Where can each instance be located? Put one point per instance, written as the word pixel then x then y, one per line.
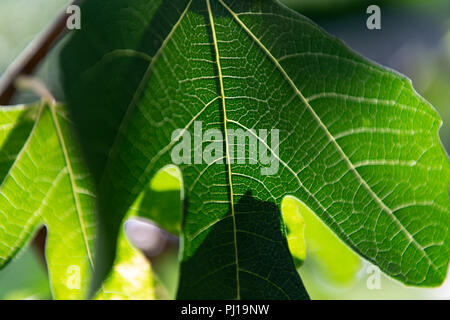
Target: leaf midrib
pixel 72 183
pixel 227 148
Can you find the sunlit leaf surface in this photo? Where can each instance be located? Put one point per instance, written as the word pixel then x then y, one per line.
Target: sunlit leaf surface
pixel 357 144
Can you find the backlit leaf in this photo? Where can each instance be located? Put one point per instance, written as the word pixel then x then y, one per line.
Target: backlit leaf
pixel 357 144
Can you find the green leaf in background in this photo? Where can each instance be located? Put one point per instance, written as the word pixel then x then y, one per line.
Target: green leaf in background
pixel 336 262
pixel 131 277
pixel 44 182
pixel 160 200
pixel 295 230
pixel 358 145
pixel 24 278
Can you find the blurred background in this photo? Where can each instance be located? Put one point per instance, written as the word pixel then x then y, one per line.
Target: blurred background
pixel 414 39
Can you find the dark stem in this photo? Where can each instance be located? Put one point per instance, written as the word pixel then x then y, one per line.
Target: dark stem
pixel 32 55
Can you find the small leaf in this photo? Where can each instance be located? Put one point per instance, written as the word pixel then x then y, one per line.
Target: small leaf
pixel 131 277
pixel 160 200
pixel 295 229
pixel 45 182
pixel 329 255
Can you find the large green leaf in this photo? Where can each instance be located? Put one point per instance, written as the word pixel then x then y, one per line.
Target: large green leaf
pixel 45 182
pixel 358 145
